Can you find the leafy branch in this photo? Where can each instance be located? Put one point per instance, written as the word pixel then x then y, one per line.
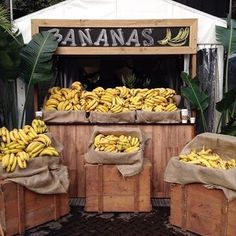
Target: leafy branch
pixel 198 98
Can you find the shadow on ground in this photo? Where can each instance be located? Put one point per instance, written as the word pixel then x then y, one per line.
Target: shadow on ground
pixel 78 222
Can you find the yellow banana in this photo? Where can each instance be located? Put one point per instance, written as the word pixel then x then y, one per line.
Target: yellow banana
pixel 23 136
pixel 33 145
pixel 20 162
pixel 131 149
pixel 5 160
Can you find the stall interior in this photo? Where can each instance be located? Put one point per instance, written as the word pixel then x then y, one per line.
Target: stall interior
pixel 133 71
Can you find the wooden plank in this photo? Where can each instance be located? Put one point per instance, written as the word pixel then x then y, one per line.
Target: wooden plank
pixel 164 142
pixel 118 194
pixel 110 23
pixel 21 208
pixel 176 199
pixel 83 134
pixel 231 218
pixel 18 214
pixel 125 51
pixel 202 211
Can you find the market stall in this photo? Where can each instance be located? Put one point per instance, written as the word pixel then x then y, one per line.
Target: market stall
pixel 166 134
pixel 166 139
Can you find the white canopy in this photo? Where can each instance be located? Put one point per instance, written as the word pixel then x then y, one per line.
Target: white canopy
pixel 124 9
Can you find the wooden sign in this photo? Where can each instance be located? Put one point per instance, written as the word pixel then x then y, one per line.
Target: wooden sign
pixel 112 37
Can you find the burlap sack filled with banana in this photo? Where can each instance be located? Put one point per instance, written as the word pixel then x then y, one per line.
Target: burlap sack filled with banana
pixel 161 107
pixel 209 159
pixel 62 105
pixel 122 147
pixel 30 157
pixel 111 105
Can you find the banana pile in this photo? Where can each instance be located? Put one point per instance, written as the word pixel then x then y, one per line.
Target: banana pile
pixel 110 100
pixel 114 144
pixel 207 158
pixel 18 146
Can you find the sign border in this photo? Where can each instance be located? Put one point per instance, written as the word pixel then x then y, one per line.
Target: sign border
pixel 191 49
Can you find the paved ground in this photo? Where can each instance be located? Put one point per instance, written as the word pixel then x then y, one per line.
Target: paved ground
pixel 109 224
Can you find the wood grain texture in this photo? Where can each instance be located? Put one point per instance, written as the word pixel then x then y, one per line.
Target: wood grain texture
pixel 108 191
pixel 21 209
pixel 203 211
pixel 163 142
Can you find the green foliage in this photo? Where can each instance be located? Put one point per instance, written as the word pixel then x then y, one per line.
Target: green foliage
pixel 37 61
pixel 227 101
pixel 10 54
pixel 198 98
pixel 227 37
pixel 4 19
pixel 10 46
pixel 32 63
pixel 36 64
pixel 227 106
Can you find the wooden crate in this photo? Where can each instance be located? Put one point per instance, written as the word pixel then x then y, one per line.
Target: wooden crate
pixel 21 209
pixel 166 140
pixel 203 211
pixel 108 191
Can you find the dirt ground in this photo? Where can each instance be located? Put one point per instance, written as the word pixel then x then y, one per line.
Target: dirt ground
pixel 78 222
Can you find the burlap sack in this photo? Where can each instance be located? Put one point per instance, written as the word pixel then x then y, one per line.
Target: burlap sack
pixel 123 117
pixel 45 175
pixel 128 164
pixel 158 117
pixel 184 173
pixel 67 117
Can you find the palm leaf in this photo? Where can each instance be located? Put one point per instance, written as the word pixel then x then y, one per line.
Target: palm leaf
pixel 36 58
pixel 227 101
pixel 10 54
pixel 198 98
pixel 4 19
pixel 227 37
pixel 37 62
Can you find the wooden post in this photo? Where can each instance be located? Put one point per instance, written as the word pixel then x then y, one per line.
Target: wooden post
pixel 21 208
pixel 193 65
pixel 100 188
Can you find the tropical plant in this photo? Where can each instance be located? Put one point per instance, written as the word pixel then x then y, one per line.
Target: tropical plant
pixel 32 63
pixel 198 98
pixel 37 61
pixel 10 46
pixel 227 106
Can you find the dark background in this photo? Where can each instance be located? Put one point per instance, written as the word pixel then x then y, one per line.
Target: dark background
pixel 218 8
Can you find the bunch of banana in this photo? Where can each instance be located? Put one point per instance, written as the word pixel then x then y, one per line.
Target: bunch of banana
pixel 114 144
pixel 207 158
pixel 24 144
pixel 111 100
pixel 64 99
pixel 39 126
pixel 41 146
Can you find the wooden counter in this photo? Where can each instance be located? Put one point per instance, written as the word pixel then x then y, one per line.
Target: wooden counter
pixel 166 140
